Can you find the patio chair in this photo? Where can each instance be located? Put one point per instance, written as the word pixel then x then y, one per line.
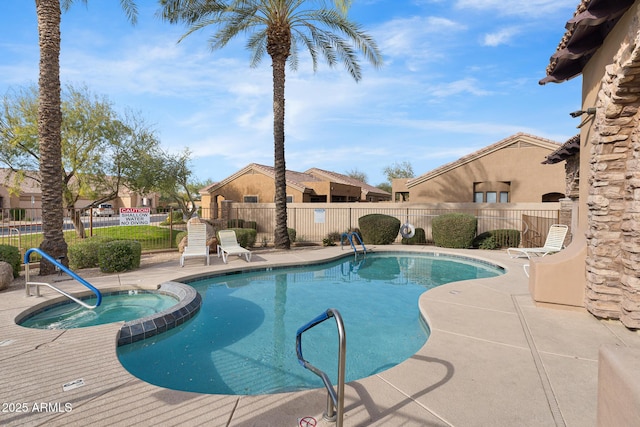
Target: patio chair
pixel 228 245
pixel 554 243
pixel 196 243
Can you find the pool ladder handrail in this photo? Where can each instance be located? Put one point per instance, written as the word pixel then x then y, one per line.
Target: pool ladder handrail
pixel 349 235
pixel 335 399
pixel 62 267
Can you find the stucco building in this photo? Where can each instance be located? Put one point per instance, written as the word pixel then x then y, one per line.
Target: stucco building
pixel 28 195
pixel 508 171
pixel 255 183
pixel 600 269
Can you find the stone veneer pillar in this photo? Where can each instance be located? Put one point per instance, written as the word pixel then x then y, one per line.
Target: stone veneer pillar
pixel 613 236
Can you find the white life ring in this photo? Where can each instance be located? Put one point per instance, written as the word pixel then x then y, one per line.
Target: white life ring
pixel 407 230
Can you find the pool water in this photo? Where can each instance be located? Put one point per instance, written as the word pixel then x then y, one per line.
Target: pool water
pixel 116 307
pixel 242 341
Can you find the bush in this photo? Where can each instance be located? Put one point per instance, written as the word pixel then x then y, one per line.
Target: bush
pixel 84 254
pixel 18 214
pixel 331 239
pixel 175 217
pixel 250 224
pixel 455 230
pixel 496 239
pixel 378 229
pixel 119 255
pixel 235 223
pixel 11 255
pixel 292 234
pixel 246 236
pixel 420 238
pixel 179 236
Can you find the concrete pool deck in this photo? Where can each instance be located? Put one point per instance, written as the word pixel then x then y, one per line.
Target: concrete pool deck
pixel 493 359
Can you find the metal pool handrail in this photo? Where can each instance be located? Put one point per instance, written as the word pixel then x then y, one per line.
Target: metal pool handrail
pixel 349 235
pixel 62 267
pixel 334 399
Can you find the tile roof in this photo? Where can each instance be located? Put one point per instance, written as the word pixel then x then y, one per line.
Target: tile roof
pixel 345 179
pixel 586 31
pixel 566 150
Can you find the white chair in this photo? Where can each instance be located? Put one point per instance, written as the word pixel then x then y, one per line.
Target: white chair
pixel 228 245
pixel 554 243
pixel 196 243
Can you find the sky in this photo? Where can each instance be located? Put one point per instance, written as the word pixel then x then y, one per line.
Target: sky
pixel 458 75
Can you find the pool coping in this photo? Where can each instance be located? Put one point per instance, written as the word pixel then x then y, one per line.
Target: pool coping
pixel 187 305
pixel 475 370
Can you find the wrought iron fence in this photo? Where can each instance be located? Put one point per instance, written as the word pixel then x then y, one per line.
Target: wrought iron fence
pixel 22 228
pixel 313 223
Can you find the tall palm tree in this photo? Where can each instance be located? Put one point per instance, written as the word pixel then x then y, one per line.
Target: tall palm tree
pixel 278 27
pixel 49 123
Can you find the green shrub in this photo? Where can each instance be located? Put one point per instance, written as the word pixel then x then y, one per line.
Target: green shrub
pixel 11 255
pixel 378 229
pixel 331 239
pixel 250 224
pixel 18 214
pixel 119 255
pixel 235 223
pixel 181 235
pixel 292 234
pixel 246 236
pixel 496 239
pixel 454 230
pixel 84 254
pixel 175 218
pixel 420 238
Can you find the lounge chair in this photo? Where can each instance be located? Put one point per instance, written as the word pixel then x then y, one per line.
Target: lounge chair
pixel 196 243
pixel 228 245
pixel 554 243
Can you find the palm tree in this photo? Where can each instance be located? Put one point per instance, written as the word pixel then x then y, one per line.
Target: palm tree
pixel 278 27
pixel 49 124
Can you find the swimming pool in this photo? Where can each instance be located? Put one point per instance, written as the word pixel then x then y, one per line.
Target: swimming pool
pixel 243 339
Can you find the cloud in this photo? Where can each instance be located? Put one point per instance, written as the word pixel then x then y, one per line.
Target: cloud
pixel 500 37
pixel 524 8
pixel 417 39
pixel 467 85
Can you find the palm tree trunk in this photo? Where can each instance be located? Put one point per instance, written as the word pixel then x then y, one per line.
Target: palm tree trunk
pixel 281 237
pixel 49 123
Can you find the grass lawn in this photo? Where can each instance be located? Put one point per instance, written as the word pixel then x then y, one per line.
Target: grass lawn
pixel 150 237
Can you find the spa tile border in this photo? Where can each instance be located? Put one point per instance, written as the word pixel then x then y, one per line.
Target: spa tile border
pixel 149 326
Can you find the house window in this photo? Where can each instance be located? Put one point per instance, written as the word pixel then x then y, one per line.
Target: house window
pixel 504 197
pixel 250 199
pixel 491 197
pixel 478 197
pixel 289 199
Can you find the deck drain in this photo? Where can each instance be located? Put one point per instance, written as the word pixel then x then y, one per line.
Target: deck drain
pixel 73 384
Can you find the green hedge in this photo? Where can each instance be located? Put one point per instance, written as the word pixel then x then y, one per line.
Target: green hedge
pixel 235 223
pixel 180 236
pixel 419 238
pixel 11 255
pixel 496 239
pixel 119 255
pixel 18 214
pixel 246 236
pixel 454 230
pixel 378 229
pixel 84 254
pixel 292 234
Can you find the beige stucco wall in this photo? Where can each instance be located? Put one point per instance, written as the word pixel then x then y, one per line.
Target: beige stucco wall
pixel 593 267
pixel 521 167
pixel 254 184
